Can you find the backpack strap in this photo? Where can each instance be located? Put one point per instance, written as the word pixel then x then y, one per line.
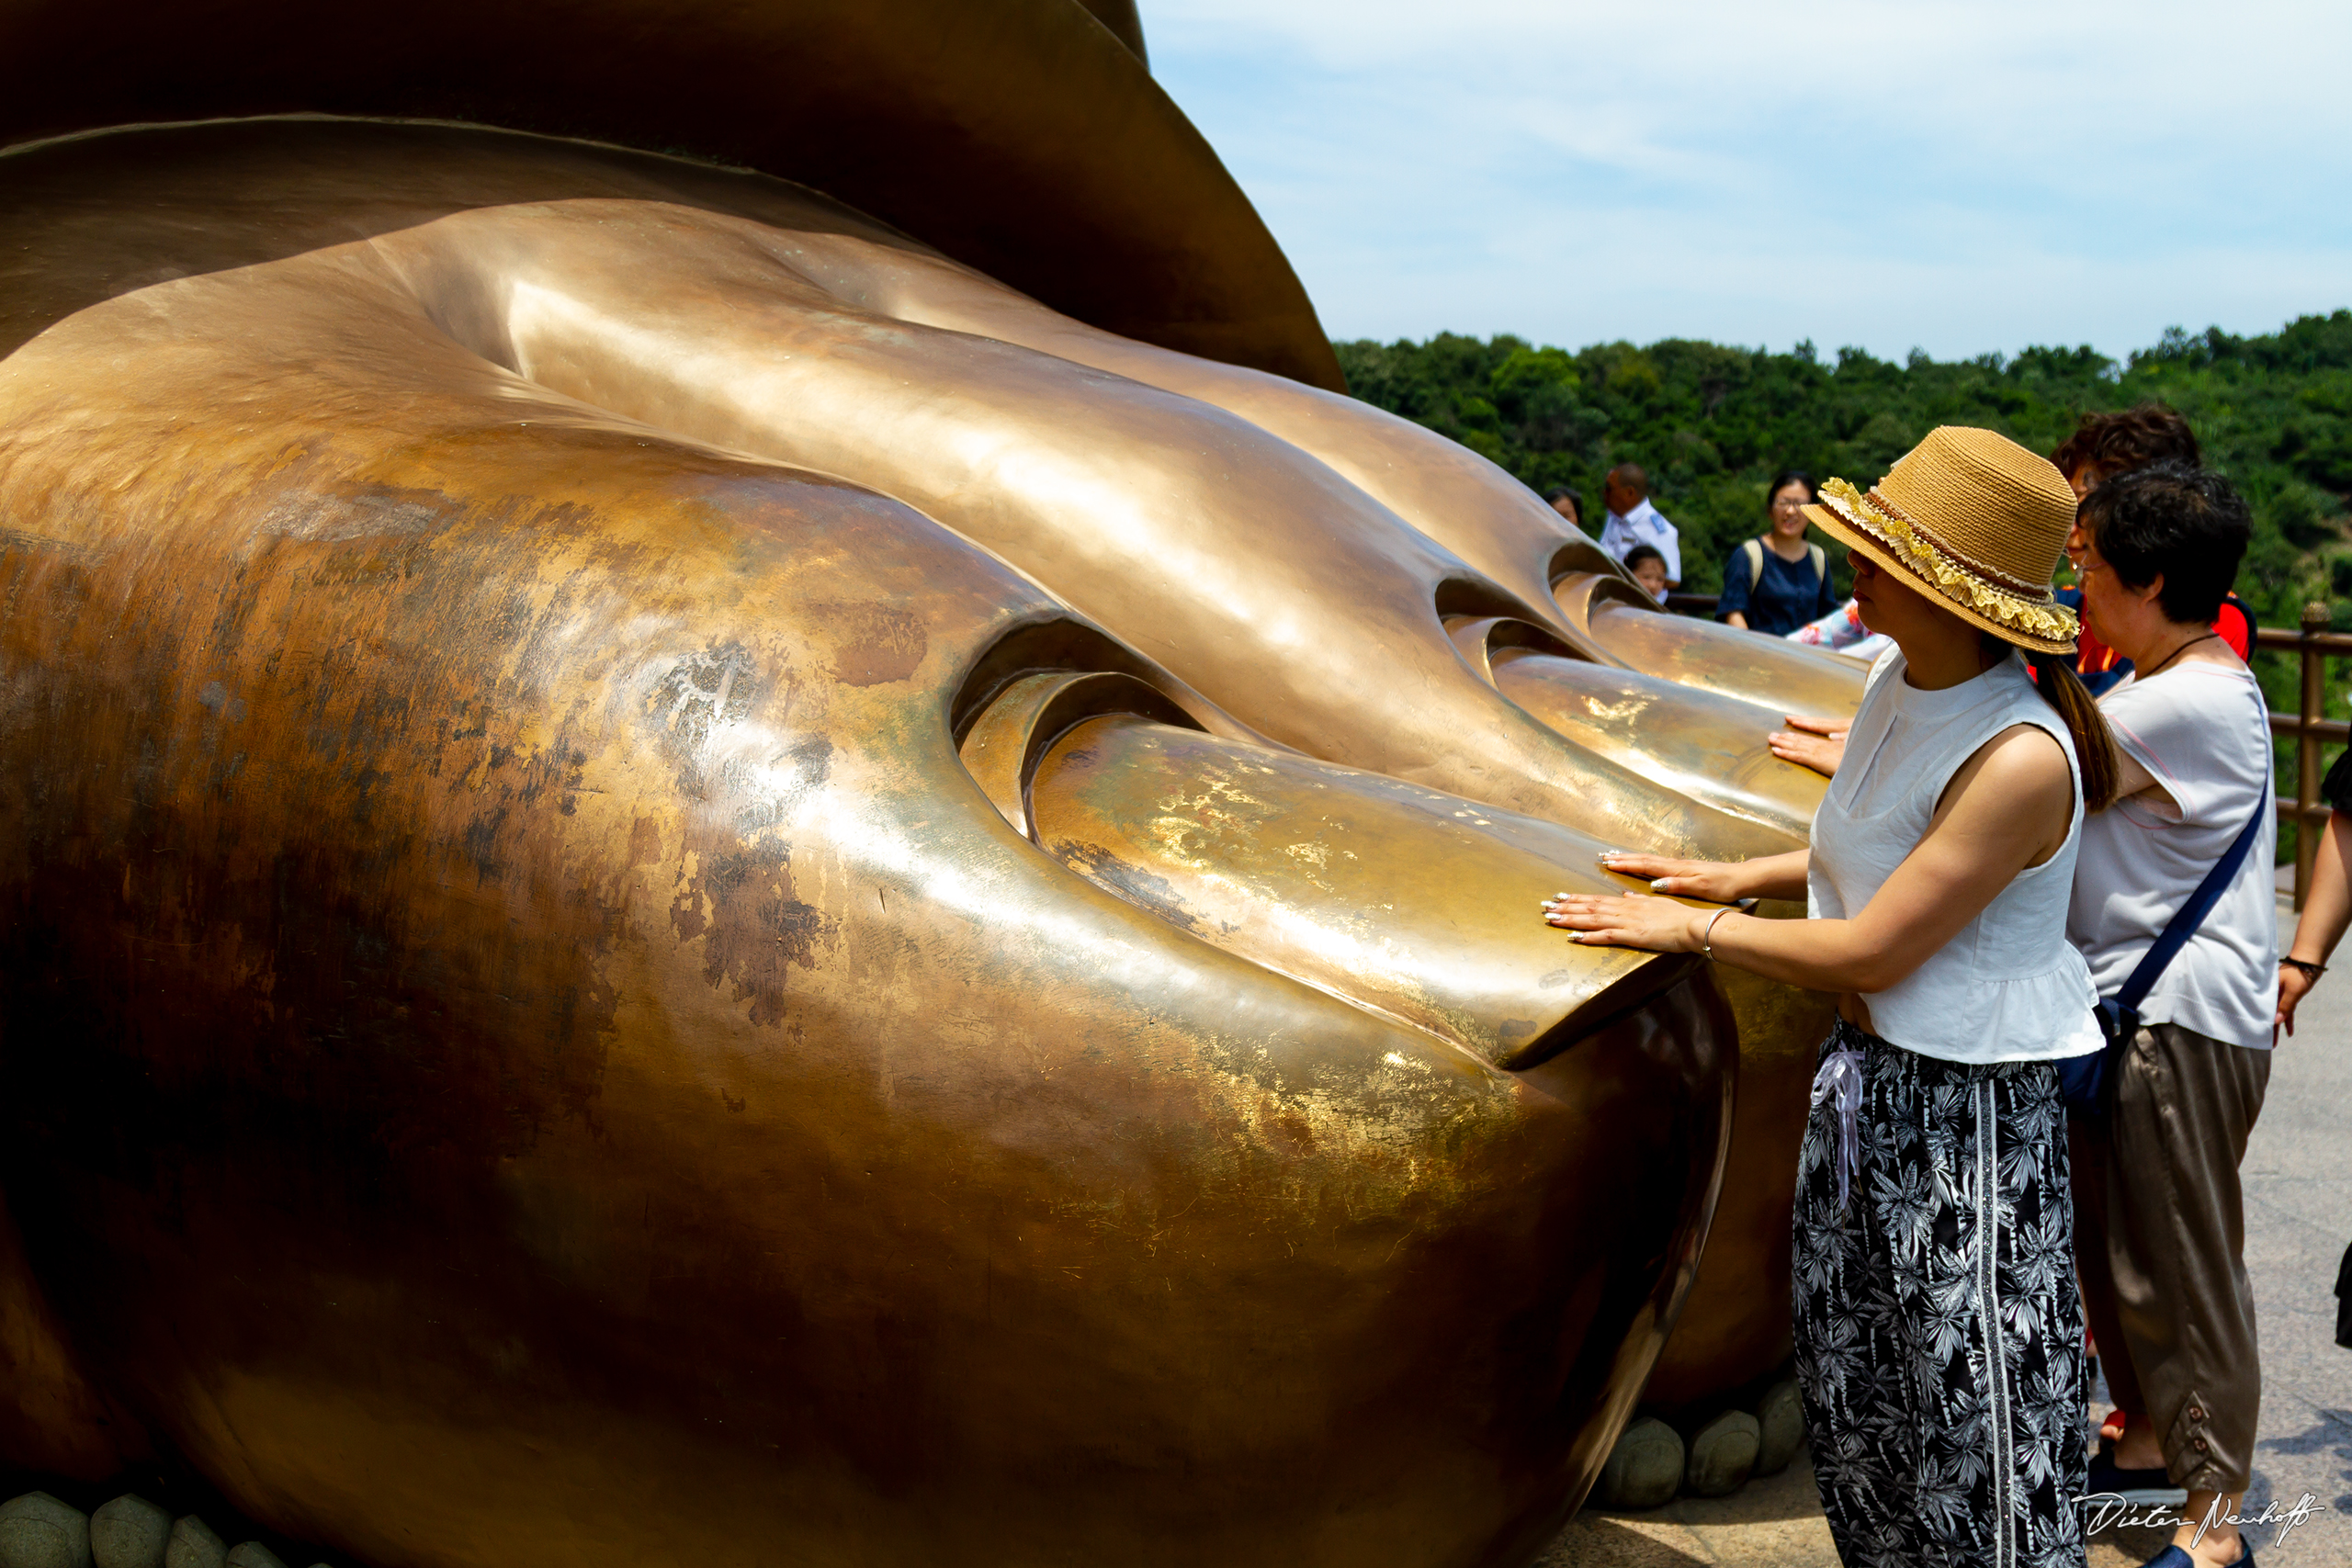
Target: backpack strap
pixel 1754 551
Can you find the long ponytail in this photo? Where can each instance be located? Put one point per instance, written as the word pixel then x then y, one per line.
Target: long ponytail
pixel 2094 744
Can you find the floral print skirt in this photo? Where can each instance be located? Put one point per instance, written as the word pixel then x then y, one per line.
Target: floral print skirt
pixel 1938 1330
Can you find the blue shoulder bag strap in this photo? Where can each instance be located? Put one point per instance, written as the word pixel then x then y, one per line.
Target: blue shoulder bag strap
pixel 2086 1080
pixel 2192 914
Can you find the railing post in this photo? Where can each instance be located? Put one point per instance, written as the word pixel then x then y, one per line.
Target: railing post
pixel 2314 621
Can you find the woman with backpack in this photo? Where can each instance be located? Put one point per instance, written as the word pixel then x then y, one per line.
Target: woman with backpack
pixel 1776 581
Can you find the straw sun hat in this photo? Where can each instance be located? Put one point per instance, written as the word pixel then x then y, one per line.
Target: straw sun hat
pixel 1972 519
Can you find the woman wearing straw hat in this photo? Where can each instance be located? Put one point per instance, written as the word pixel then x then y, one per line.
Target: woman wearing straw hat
pixel 1939 1337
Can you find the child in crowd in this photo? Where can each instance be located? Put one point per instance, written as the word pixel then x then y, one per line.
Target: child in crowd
pixel 1648 568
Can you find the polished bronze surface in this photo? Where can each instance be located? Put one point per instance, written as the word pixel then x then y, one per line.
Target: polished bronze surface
pixel 1024 137
pixel 685 882
pixel 1245 566
pixel 94 217
pixel 1687 738
pixel 538 1034
pixel 1007 739
pixel 1735 1326
pixel 1779 676
pixel 1296 865
pixel 504 278
pixel 1492 523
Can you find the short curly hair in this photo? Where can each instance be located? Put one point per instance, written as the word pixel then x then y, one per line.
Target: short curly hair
pixel 2188 526
pixel 2133 438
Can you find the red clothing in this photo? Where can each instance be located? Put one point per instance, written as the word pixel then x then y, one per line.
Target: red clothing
pixel 2101 667
pixel 2091 657
pixel 2235 623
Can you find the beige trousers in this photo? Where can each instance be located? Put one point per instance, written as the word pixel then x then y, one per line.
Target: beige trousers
pixel 2159 1243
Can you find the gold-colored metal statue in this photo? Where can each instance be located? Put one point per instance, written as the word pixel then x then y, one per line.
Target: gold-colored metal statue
pixel 680 882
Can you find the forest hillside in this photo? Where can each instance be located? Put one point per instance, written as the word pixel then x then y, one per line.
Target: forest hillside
pixel 1711 425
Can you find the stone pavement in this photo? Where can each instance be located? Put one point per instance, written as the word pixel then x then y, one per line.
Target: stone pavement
pixel 2298 1175
pixel 1777 1523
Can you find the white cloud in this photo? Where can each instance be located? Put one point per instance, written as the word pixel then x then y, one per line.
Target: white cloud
pixel 1958 176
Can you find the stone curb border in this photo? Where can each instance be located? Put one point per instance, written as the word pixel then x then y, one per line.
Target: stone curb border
pixel 39 1531
pixel 1653 1462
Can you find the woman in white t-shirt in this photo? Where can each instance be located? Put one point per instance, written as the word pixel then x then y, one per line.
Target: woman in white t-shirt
pixel 1940 1340
pixel 2160 1222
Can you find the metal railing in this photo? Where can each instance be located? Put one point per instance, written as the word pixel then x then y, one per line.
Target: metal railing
pixel 2315 643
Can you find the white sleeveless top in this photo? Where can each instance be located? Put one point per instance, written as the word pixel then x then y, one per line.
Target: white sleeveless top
pixel 2009 987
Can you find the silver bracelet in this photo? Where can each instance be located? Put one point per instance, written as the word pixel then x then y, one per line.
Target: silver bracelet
pixel 1707 937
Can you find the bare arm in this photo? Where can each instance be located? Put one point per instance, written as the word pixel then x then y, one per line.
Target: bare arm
pixel 1736 619
pixel 2006 809
pixel 2328 910
pixel 2132 779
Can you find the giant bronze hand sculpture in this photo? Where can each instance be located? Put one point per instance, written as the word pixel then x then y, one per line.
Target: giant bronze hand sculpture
pixel 685 884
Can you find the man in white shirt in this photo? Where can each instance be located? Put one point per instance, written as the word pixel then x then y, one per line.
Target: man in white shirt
pixel 1634 521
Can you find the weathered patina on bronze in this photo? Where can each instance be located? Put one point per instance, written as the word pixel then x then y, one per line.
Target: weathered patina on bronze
pixel 681 884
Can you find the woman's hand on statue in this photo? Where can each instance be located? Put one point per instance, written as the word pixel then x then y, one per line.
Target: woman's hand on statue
pixel 1719 882
pixel 1816 743
pixel 1658 924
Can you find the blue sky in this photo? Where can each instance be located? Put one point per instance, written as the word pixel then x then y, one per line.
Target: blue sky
pixel 1957 177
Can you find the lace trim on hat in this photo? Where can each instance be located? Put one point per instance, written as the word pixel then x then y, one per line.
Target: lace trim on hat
pixel 1988 593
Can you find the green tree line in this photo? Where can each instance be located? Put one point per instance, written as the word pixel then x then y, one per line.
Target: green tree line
pixel 1711 425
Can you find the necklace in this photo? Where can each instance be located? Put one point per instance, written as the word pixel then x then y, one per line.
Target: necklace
pixel 2175 653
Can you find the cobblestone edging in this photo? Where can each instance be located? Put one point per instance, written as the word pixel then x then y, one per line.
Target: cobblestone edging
pixel 1654 1463
pixel 39 1531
